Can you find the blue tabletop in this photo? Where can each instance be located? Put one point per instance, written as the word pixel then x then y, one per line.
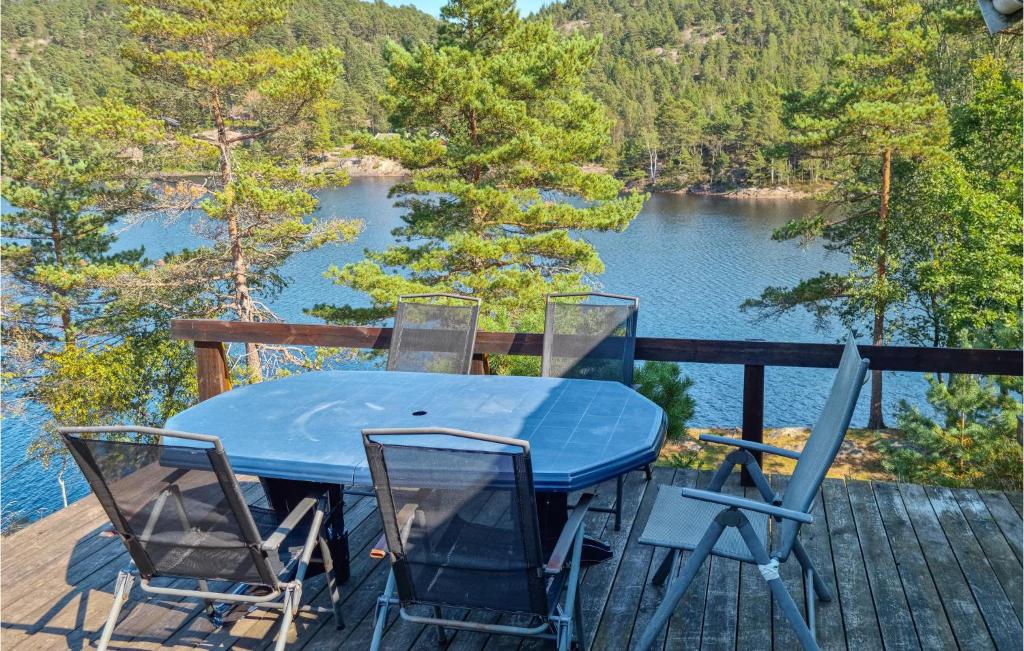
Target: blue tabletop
pixel 308 426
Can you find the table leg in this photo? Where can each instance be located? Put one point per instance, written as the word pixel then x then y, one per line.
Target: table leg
pixel 552 514
pixel 284 494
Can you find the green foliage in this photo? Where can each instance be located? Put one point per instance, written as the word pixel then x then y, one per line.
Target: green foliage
pixel 77 343
pixel 495 126
pixel 973 443
pixel 664 385
pixel 264 106
pixel 76 45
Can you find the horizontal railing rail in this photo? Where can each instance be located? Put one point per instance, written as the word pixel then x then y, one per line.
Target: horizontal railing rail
pixel 698 351
pixel 754 355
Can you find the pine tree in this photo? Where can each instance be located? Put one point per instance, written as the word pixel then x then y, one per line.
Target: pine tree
pixel 258 101
pixel 881 108
pixel 495 125
pixel 74 345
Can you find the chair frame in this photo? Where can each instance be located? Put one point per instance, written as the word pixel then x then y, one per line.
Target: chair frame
pixel 285 596
pixel 627 377
pixel 394 351
pixel 766 559
pixel 564 624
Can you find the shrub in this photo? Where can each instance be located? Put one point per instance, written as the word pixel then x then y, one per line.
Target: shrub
pixel 973 443
pixel 664 385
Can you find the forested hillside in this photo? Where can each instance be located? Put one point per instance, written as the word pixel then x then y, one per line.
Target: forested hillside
pixel 696 85
pixel 76 45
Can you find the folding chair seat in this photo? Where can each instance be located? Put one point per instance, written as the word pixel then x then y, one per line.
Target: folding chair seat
pixel 682 522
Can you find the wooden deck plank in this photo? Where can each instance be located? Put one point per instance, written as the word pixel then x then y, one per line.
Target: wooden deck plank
pixel 962 611
pixel 930 621
pixel 1002 622
pixel 654 594
pixel 722 598
pixel 891 605
pixel 792 578
pixel 859 619
pixel 618 616
pixel 754 619
pixel 828 615
pixel 1007 518
pixel 998 552
pixel 1016 500
pixel 687 621
pixel 953 553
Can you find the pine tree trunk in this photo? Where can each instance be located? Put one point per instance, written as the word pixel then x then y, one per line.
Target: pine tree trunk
pixel 240 276
pixel 876 419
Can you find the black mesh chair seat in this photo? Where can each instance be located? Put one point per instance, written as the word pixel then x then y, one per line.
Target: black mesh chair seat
pixel 433 337
pixel 180 512
pixel 460 524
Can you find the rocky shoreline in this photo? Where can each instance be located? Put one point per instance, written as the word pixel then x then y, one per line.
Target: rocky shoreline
pixel 777 192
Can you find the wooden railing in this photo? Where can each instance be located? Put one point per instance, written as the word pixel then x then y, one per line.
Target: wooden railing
pixel 211 362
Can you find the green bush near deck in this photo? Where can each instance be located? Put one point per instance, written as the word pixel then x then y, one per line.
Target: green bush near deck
pixel 665 386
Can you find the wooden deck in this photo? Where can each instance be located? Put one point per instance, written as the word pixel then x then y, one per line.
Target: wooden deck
pixel 913 567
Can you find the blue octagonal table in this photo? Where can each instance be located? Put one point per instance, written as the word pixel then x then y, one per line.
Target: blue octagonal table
pixel 307 427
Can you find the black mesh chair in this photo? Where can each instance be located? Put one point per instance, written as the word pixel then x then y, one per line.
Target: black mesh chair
pixel 434 337
pixel 460 530
pixel 180 512
pixel 592 336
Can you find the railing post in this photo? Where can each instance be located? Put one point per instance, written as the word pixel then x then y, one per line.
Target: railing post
pixel 481 364
pixel 753 411
pixel 211 369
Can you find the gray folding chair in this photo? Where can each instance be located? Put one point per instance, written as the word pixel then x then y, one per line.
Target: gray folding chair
pixel 180 512
pixel 592 336
pixel 709 522
pixel 434 337
pixel 461 531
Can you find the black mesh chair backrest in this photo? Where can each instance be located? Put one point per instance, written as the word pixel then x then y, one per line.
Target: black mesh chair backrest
pixel 178 508
pixel 825 439
pixel 590 336
pixel 434 337
pixel 460 518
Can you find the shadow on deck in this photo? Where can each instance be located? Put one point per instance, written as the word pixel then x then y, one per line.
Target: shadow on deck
pixel 913 567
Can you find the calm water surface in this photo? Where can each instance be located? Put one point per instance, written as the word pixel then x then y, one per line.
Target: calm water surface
pixel 691 260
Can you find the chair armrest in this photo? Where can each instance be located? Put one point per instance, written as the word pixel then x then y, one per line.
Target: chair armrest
pixel 565 539
pixel 289 523
pixel 753 446
pixel 750 505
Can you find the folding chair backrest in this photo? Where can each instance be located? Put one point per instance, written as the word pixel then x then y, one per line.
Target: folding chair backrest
pixel 177 508
pixel 459 518
pixel 590 336
pixel 433 337
pixel 826 437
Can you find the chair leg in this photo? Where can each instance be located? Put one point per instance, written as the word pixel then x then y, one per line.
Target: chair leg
pixel 577 619
pixel 442 639
pixel 820 588
pixel 618 503
pixel 793 614
pixel 287 613
pixel 769 568
pixel 678 588
pixel 666 567
pixel 383 605
pixel 122 589
pixel 210 608
pixel 332 582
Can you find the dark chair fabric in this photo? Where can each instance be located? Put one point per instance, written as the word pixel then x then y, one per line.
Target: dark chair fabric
pixel 177 513
pixel 434 337
pixel 461 523
pixel 590 336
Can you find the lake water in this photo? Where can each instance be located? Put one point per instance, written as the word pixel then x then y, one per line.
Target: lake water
pixel 691 260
